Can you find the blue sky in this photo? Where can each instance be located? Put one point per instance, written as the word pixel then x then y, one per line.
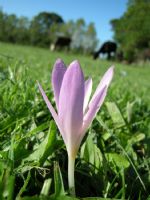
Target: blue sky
pixel 98 11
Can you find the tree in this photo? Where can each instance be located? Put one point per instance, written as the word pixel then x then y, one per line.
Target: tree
pixel 2 24
pixel 45 28
pixel 22 28
pixel 90 41
pixel 78 35
pixel 61 30
pixel 40 27
pixel 83 37
pixel 133 2
pixel 132 30
pixel 9 31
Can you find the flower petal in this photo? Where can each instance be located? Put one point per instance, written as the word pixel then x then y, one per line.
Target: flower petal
pixel 105 81
pixel 94 108
pixel 71 105
pixel 88 90
pixel 49 105
pixel 57 77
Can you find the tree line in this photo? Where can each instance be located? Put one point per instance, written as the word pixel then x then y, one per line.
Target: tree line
pixel 43 30
pixel 132 30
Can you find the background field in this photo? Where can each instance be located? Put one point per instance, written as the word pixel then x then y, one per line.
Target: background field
pixel 113 161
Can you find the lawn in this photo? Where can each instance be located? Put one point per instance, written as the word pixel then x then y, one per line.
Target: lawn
pixel 114 158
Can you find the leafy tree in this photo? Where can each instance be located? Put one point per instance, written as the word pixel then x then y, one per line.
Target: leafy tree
pixel 10 32
pixel 45 28
pixel 14 29
pixel 22 27
pixel 78 35
pixel 84 37
pixel 2 25
pixel 132 30
pixel 64 29
pixel 90 41
pixel 133 2
pixel 40 27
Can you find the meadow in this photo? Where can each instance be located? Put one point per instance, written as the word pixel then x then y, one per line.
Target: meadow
pixel 114 159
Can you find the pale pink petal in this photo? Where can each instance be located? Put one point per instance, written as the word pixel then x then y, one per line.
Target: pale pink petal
pixel 98 98
pixel 71 104
pixel 49 105
pixel 93 108
pixel 105 81
pixel 88 90
pixel 57 77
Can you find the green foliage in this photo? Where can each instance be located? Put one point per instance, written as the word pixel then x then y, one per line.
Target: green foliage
pixel 113 161
pixel 84 37
pixel 14 29
pixel 115 114
pixel 132 30
pixel 40 28
pixel 45 28
pixel 59 187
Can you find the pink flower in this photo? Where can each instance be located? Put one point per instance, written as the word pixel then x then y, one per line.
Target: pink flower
pixel 75 112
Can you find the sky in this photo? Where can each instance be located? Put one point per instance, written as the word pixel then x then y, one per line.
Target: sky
pixel 98 11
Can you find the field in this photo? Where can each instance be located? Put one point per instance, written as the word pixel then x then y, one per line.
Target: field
pixel 114 159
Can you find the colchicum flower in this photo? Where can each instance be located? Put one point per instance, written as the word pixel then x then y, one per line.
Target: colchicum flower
pixel 75 112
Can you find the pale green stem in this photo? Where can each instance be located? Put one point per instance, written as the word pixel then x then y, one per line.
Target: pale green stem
pixel 71 163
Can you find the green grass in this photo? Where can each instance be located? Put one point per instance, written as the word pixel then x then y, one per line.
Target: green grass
pixel 114 158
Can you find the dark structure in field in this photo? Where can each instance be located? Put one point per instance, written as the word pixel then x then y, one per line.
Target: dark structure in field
pixel 61 43
pixel 107 48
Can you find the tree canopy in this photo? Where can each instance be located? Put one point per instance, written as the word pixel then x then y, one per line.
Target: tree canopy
pixel 45 28
pixel 40 27
pixel 132 30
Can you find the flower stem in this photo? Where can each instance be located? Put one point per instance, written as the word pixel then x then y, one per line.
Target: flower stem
pixel 71 163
